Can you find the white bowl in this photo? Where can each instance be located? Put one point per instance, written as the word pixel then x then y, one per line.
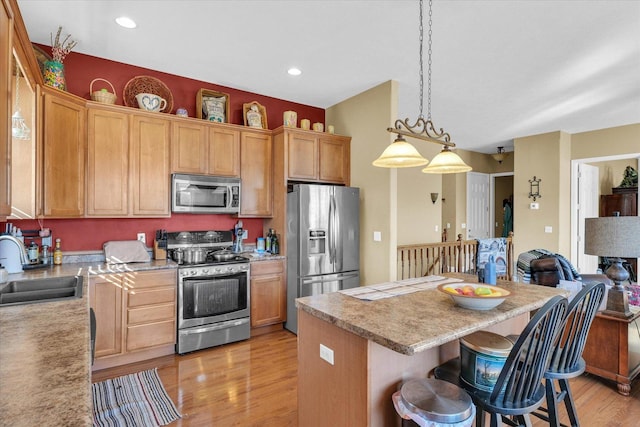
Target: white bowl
pixel 476 302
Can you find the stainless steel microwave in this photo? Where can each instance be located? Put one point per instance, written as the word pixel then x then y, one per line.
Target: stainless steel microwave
pixel 205 194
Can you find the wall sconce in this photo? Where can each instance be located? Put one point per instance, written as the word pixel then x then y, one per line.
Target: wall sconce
pixel 534 190
pixel 434 197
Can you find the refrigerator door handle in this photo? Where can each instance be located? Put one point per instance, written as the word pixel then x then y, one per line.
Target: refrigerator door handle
pixel 332 230
pixel 329 278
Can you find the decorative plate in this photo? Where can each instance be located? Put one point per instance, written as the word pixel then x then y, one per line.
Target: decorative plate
pixel 146 84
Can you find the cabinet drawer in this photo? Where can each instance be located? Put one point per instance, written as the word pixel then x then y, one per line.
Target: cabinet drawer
pixel 151 314
pixel 150 335
pixel 267 267
pixel 149 279
pixel 152 296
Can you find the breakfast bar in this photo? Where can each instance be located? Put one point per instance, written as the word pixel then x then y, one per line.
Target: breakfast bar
pixel 354 353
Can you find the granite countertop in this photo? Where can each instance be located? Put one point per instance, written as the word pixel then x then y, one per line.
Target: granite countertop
pixel 415 322
pixel 45 354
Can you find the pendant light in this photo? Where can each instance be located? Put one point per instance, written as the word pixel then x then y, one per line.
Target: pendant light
pixel 500 155
pixel 402 154
pixel 19 128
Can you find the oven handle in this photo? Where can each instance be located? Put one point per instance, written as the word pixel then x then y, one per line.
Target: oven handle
pixel 215 327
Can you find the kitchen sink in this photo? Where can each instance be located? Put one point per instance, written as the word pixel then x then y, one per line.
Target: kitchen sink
pixel 41 290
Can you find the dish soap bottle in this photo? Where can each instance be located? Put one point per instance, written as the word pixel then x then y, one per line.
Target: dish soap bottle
pixel 57 253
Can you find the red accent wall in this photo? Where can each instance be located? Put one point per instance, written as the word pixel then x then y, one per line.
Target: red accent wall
pixel 90 234
pixel 81 69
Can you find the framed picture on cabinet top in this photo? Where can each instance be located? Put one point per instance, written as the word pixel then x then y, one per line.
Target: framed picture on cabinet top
pixel 212 105
pixel 255 115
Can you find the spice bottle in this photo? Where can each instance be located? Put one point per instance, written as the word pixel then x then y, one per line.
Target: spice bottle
pixel 57 253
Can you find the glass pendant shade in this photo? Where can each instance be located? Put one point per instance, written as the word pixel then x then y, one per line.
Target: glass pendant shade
pixel 400 154
pixel 19 128
pixel 447 162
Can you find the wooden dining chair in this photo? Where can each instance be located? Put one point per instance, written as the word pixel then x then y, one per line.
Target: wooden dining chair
pixel 519 389
pixel 566 358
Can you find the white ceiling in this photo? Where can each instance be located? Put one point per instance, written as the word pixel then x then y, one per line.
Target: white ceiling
pixel 501 69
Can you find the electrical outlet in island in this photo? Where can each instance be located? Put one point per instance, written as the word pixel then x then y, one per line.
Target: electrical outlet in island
pixel 142 237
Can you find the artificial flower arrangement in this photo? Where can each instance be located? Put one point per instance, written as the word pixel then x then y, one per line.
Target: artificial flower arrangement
pixel 60 50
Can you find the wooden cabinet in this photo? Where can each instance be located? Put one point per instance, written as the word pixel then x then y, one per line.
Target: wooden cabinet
pixel 135 316
pixel 268 293
pixel 64 137
pixel 130 152
pixel 256 174
pixel 107 162
pixel 316 157
pixel 6 34
pixel 188 148
pixel 625 202
pixel 224 151
pixel 149 142
pixel 613 349
pixel 210 149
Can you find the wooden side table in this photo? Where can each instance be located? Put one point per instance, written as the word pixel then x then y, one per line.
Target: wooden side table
pixel 613 349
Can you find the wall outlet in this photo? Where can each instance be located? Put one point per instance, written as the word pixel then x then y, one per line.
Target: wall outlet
pixel 245 234
pixel 437 228
pixel 326 354
pixel 463 225
pixel 142 237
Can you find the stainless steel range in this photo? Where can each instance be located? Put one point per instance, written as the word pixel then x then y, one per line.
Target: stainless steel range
pixel 213 289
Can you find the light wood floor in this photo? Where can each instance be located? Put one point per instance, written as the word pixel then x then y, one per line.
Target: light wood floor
pixel 253 383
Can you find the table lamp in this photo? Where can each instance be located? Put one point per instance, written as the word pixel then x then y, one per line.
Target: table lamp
pixel 614 237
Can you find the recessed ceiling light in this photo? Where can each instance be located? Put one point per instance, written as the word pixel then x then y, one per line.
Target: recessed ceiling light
pixel 294 71
pixel 123 21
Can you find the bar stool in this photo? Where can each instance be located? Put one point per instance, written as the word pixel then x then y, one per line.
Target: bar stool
pixel 566 359
pixel 519 390
pixel 434 403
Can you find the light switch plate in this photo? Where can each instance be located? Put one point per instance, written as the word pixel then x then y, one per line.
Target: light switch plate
pixel 548 229
pixel 142 237
pixel 534 206
pixel 377 236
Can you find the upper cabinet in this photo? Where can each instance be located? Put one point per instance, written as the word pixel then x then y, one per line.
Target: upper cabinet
pixel 210 149
pixel 314 156
pixel 150 173
pixel 6 34
pixel 64 141
pixel 256 172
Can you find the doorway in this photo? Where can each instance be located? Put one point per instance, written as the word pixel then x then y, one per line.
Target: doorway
pixel 501 190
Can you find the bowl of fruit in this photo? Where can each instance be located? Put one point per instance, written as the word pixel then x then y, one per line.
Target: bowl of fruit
pixel 475 296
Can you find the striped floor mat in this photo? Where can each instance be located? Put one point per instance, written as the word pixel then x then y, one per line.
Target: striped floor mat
pixel 136 400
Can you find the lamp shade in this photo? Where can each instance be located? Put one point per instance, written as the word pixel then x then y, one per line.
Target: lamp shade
pixel 447 161
pixel 400 154
pixel 612 236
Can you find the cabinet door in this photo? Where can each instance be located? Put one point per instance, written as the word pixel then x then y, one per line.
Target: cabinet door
pixel 224 152
pixel 64 137
pixel 268 293
pixel 335 160
pixel 6 33
pixel 188 148
pixel 105 297
pixel 302 156
pixel 150 176
pixel 256 174
pixel 107 162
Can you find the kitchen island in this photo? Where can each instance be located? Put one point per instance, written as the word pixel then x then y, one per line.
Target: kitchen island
pixel 353 354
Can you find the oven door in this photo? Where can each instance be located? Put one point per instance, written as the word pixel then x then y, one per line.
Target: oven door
pixel 209 299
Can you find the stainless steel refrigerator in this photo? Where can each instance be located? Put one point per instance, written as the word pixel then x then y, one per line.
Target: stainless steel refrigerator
pixel 323 243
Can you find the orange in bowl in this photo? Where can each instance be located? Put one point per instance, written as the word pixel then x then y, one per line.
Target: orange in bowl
pixel 475 296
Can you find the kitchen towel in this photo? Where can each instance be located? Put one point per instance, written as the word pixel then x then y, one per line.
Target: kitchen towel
pixel 132 401
pixel 122 251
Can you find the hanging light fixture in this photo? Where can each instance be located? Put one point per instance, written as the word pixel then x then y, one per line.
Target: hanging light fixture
pixel 19 128
pixel 400 153
pixel 500 155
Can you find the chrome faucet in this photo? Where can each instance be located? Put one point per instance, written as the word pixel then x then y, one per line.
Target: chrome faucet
pixel 22 251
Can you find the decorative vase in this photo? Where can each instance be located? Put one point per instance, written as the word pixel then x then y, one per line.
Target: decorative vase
pixel 54 75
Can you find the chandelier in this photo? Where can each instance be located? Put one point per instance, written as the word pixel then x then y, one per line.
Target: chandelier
pixel 400 153
pixel 19 128
pixel 500 155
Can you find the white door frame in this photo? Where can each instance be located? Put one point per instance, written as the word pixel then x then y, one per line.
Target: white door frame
pixel 574 193
pixel 492 196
